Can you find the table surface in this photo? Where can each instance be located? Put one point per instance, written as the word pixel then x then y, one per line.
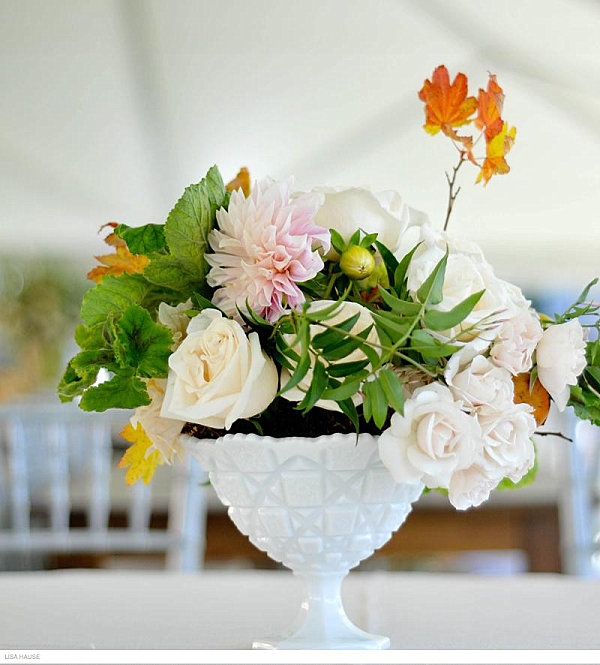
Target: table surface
pixel 227 610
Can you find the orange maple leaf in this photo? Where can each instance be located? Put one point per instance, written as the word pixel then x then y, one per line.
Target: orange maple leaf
pixel 118 263
pixel 496 150
pixel 446 105
pixel 241 181
pixel 141 460
pixel 489 109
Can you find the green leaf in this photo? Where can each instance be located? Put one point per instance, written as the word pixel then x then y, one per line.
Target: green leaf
pixel 430 292
pixel 401 270
pixel 398 306
pixel 348 389
pixel 303 365
pixel 113 295
pixel 347 347
pixel 392 387
pixel 191 220
pixel 143 239
pixel 91 361
pixel 329 337
pixel 345 369
pixel 347 406
pixel 123 391
pixel 396 330
pixel 430 347
pixel 368 240
pixel 316 388
pixel 436 320
pixel 354 238
pixel 339 244
pixel 379 403
pixel 146 344
pixel 390 261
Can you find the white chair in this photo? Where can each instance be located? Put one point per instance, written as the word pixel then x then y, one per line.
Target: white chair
pixel 53 458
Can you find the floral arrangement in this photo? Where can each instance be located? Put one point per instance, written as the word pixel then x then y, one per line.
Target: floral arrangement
pixel 280 312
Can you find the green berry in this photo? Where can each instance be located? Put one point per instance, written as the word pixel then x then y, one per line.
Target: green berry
pixel 357 262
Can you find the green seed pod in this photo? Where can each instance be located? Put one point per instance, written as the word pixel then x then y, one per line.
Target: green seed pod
pixel 357 262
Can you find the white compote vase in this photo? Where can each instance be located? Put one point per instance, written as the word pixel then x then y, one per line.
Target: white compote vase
pixel 319 506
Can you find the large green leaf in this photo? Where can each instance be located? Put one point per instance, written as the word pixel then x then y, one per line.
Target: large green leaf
pixel 113 295
pixel 143 239
pixel 123 391
pixel 72 384
pixel 191 220
pixel 173 273
pixel 436 320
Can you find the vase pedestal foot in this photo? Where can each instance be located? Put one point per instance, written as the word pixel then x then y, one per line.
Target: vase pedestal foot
pixel 322 622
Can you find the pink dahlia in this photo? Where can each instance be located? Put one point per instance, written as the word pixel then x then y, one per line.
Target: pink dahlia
pixel 263 247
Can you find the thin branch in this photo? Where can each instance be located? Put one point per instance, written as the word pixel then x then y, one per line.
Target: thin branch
pixel 451 182
pixel 560 435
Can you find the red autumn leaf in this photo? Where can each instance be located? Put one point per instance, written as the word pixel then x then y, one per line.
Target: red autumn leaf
pixel 489 109
pixel 446 105
pixel 496 150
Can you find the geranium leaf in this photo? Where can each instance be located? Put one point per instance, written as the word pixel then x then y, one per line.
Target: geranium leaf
pixel 113 295
pixel 146 345
pixel 143 239
pixel 123 391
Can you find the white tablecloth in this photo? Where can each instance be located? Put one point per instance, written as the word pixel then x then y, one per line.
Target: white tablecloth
pixel 227 610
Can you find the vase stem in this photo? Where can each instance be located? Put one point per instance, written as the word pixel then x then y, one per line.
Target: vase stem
pixel 322 622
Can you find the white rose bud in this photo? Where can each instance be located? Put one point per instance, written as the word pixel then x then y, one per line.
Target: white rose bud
pixel 432 440
pixel 218 374
pixel 561 359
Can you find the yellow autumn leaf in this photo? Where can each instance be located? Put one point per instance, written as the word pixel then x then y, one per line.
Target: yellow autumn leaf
pixel 241 181
pixel 142 464
pixel 496 151
pixel 122 261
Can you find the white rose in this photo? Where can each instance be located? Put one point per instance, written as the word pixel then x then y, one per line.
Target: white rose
pixel 432 440
pixel 467 272
pixel 384 213
pixel 481 385
pixel 218 374
pixel 561 359
pixel 175 319
pixel 163 432
pixel 345 311
pixel 518 337
pixel 470 487
pixel 508 450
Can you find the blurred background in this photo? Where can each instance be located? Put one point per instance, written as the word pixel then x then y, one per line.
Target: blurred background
pixel 110 108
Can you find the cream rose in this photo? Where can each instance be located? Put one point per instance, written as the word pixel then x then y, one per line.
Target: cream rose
pixel 218 374
pixel 175 319
pixel 508 449
pixel 518 337
pixel 163 432
pixel 346 310
pixel 481 385
pixel 560 359
pixel 432 440
pixel 384 213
